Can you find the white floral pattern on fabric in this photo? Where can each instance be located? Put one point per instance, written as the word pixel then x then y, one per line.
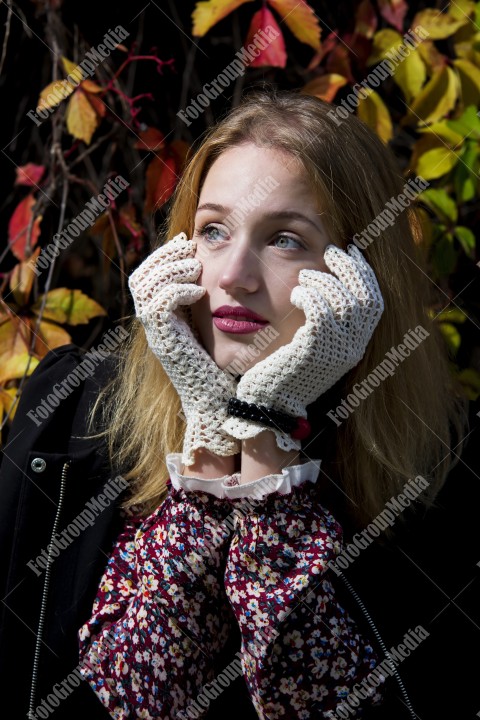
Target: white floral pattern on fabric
pixel 176 583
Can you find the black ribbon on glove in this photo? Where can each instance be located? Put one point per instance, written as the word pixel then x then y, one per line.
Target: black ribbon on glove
pixel 298 428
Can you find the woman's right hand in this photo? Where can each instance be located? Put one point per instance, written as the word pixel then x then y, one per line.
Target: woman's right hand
pixel 162 284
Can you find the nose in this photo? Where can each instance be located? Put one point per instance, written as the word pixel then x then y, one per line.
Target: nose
pixel 242 268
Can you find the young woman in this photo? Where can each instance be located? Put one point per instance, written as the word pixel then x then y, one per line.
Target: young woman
pixel 282 390
pixel 262 226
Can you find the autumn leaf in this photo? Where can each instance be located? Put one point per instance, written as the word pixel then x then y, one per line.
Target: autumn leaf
pixel 435 100
pixel 54 93
pixel 393 11
pixel 49 336
pixel 325 87
pixel 373 111
pixel 366 20
pixel 161 179
pixel 82 120
pixel 7 400
pixel 72 307
pixel 23 230
pixel 73 70
pixel 14 338
pixel 29 174
pixel 301 19
pixel 150 139
pixel 207 14
pixel 15 367
pixel 469 81
pixel 274 54
pixel 22 277
pixel 439 25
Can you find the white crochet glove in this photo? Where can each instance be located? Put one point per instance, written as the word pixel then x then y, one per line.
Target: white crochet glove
pixel 163 283
pixel 341 315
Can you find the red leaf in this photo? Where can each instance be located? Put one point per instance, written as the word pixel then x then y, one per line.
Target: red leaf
pixel 366 20
pixel 393 11
pixel 274 54
pixel 18 227
pixel 150 139
pixel 339 63
pixel 161 179
pixel 29 174
pixel 326 47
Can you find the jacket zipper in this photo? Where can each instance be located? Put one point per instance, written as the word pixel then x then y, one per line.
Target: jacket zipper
pixel 46 585
pixel 380 642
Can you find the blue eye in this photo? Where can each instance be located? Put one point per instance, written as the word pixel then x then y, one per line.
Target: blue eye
pixel 287 237
pixel 210 232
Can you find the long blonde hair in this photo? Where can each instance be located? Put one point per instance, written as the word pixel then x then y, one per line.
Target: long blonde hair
pixel 401 430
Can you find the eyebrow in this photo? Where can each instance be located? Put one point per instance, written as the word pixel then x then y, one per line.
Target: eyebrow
pixel 279 214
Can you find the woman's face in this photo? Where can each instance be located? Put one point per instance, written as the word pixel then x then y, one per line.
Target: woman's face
pixel 252 250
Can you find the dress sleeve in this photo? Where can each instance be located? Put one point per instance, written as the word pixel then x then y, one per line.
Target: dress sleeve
pixel 161 616
pixel 301 651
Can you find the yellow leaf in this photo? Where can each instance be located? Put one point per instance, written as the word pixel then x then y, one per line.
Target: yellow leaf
pixel 436 162
pixel 301 19
pixel 50 336
pixel 469 82
pixel 16 366
pixel 73 70
pixel 441 130
pixel 411 73
pixel 373 111
pixel 82 120
pixel 54 93
pixel 22 277
pixel 14 339
pixel 435 100
pixel 208 13
pixel 383 41
pixel 438 24
pixel 325 87
pixel 7 400
pixel 460 8
pixel 433 59
pixel 72 307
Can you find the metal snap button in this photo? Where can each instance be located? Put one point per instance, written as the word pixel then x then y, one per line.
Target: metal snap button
pixel 38 465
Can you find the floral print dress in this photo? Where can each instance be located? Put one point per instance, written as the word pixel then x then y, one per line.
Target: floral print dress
pixel 212 554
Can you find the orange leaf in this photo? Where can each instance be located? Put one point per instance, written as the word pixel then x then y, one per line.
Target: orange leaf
pixel 325 87
pixel 97 104
pixel 150 139
pixel 82 120
pixel 22 277
pixel 7 399
pixel 207 14
pixel 20 237
pixel 14 339
pixel 274 54
pixel 161 179
pixel 366 20
pixel 393 11
pixel 301 20
pixel 49 336
pixel 29 174
pixel 91 87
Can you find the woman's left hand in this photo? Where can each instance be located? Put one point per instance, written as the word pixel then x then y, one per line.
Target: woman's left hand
pixel 341 311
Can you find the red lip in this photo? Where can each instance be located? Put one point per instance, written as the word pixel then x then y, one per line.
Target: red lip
pixel 238 311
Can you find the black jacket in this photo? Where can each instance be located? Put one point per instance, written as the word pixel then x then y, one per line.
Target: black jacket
pixel 428 577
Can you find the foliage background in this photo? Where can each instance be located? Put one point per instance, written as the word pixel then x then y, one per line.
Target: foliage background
pixel 427 113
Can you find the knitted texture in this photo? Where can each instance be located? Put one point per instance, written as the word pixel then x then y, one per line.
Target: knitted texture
pixel 341 315
pixel 162 284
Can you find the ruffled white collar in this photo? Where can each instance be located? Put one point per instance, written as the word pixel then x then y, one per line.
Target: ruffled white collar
pixel 229 485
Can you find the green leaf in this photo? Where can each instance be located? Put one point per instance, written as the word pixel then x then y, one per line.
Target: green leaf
pixel 441 203
pixel 466 173
pixel 452 315
pixel 444 255
pixel 466 238
pixel 468 124
pixel 436 162
pixel 470 380
pixel 451 336
pixel 68 306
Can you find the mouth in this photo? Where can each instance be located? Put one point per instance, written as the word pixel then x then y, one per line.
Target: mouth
pixel 236 323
